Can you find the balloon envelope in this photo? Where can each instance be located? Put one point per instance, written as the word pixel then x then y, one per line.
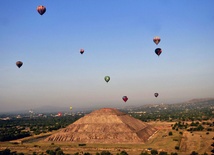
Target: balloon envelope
pixel 41 9
pixel 125 98
pixel 107 78
pixel 156 94
pixel 82 51
pixel 158 51
pixel 156 40
pixel 19 64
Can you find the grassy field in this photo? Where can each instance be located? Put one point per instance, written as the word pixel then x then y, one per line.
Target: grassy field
pixel 161 141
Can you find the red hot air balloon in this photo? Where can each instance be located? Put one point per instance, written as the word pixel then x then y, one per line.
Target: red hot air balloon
pixel 125 98
pixel 82 51
pixel 158 51
pixel 19 64
pixel 156 40
pixel 156 94
pixel 41 9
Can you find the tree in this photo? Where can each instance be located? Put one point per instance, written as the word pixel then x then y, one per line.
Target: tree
pixel 6 151
pixel 200 127
pixel 170 133
pixel 51 152
pixel 59 152
pixel 194 153
pixel 154 152
pixel 144 153
pixel 163 153
pixel 123 153
pixel 177 147
pixel 105 153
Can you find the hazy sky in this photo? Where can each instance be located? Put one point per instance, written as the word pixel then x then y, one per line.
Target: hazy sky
pixel 117 36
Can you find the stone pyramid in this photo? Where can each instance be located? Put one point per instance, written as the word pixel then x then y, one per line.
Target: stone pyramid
pixel 106 125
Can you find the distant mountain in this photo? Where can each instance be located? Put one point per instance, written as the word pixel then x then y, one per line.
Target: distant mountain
pixel 201 103
pixel 200 100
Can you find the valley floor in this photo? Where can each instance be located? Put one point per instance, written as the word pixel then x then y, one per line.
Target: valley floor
pixel 160 141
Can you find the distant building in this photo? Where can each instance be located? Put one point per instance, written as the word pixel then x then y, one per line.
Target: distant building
pixel 4 119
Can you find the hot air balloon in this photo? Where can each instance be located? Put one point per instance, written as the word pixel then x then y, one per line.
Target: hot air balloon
pixel 19 64
pixel 125 98
pixel 82 51
pixel 41 9
pixel 158 51
pixel 156 40
pixel 156 94
pixel 107 78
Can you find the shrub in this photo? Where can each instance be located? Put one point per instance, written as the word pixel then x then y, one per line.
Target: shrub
pixel 163 153
pixel 177 147
pixel 144 153
pixel 194 153
pixel 154 152
pixel 123 153
pixel 105 153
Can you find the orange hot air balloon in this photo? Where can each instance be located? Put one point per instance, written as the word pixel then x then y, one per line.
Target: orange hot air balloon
pixel 156 40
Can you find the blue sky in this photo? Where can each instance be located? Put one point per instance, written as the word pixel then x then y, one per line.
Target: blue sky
pixel 117 38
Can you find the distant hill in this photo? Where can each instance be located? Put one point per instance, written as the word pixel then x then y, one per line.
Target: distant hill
pixel 198 104
pixel 202 102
